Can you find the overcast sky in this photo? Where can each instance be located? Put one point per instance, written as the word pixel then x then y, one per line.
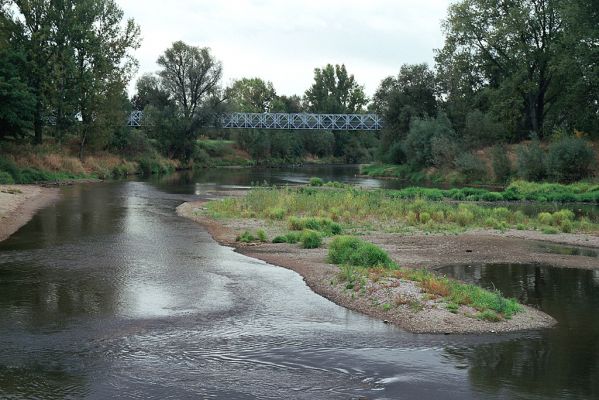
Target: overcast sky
pixel 282 41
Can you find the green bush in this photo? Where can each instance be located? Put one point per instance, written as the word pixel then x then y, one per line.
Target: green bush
pixel 311 239
pixel 277 213
pixel 531 162
pixel 341 249
pixel 471 166
pixel 354 251
pixel 316 181
pixel 280 239
pixel 502 167
pixel 261 236
pixel 324 225
pixel 245 237
pixel 545 218
pixel 570 159
pixel 6 178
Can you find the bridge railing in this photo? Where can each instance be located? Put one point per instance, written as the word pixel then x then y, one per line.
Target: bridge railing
pixel 286 121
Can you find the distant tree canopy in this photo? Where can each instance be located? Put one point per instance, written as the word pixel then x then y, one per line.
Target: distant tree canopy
pixel 252 95
pixel 334 91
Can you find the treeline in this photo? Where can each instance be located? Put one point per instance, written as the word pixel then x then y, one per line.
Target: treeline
pixel 508 72
pixel 186 95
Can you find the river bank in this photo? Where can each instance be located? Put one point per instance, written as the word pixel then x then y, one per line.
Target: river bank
pixel 18 204
pixel 392 300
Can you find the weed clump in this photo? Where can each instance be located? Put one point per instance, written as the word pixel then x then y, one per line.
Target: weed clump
pixel 354 251
pixel 315 181
pixel 311 239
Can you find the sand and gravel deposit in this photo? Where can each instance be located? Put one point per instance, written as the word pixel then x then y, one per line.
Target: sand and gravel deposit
pixel 396 300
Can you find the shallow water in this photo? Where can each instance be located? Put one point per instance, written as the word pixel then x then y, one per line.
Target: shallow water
pixel 109 294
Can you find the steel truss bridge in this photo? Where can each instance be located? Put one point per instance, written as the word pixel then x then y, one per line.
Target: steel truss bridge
pixel 284 121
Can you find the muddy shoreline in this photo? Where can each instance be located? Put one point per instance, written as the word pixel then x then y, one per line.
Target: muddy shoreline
pixel 19 203
pixel 409 251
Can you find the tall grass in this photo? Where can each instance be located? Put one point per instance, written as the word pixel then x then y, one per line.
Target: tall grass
pixel 383 210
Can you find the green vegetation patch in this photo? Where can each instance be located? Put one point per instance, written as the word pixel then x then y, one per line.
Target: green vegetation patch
pixel 359 260
pixel 333 211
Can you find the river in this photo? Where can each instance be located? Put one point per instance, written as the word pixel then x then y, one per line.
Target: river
pixel 109 294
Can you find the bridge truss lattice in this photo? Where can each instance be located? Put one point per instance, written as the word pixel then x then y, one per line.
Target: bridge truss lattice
pixel 286 121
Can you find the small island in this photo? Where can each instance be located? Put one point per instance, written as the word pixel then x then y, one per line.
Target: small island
pixel 376 251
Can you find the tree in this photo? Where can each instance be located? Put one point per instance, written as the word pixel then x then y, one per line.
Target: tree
pixel 78 59
pixel 252 95
pixel 103 64
pixel 182 99
pixel 32 28
pixel 401 99
pixel 512 58
pixel 287 104
pixel 334 91
pixel 149 92
pixel 191 76
pixel 17 102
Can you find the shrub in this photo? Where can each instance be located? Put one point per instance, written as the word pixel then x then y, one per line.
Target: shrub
pixel 261 235
pixel 311 239
pixel 6 178
pixel 531 162
pixel 545 218
pixel 570 159
pixel 463 216
pixel 489 315
pixel 316 182
pixel 276 213
pixel 471 166
pixel 502 167
pixel 280 239
pixel 324 225
pixel 418 145
pixel 9 167
pixel 245 237
pixel 341 249
pixel 351 250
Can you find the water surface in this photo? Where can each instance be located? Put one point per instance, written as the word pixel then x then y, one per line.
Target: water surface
pixel 109 294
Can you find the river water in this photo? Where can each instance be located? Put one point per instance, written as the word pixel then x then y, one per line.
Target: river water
pixel 108 294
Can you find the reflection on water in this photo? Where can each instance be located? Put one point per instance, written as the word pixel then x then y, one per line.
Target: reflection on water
pixel 562 362
pixel 568 250
pixel 109 294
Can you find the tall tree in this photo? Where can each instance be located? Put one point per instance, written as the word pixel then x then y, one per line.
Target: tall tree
pixel 34 22
pixel 335 91
pixel 509 56
pixel 191 75
pixel 103 62
pixel 400 99
pixel 184 98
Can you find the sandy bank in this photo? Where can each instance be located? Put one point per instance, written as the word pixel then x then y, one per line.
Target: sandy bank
pixel 19 203
pixel 409 251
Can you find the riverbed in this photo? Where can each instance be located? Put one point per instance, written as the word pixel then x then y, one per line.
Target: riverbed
pixel 107 293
